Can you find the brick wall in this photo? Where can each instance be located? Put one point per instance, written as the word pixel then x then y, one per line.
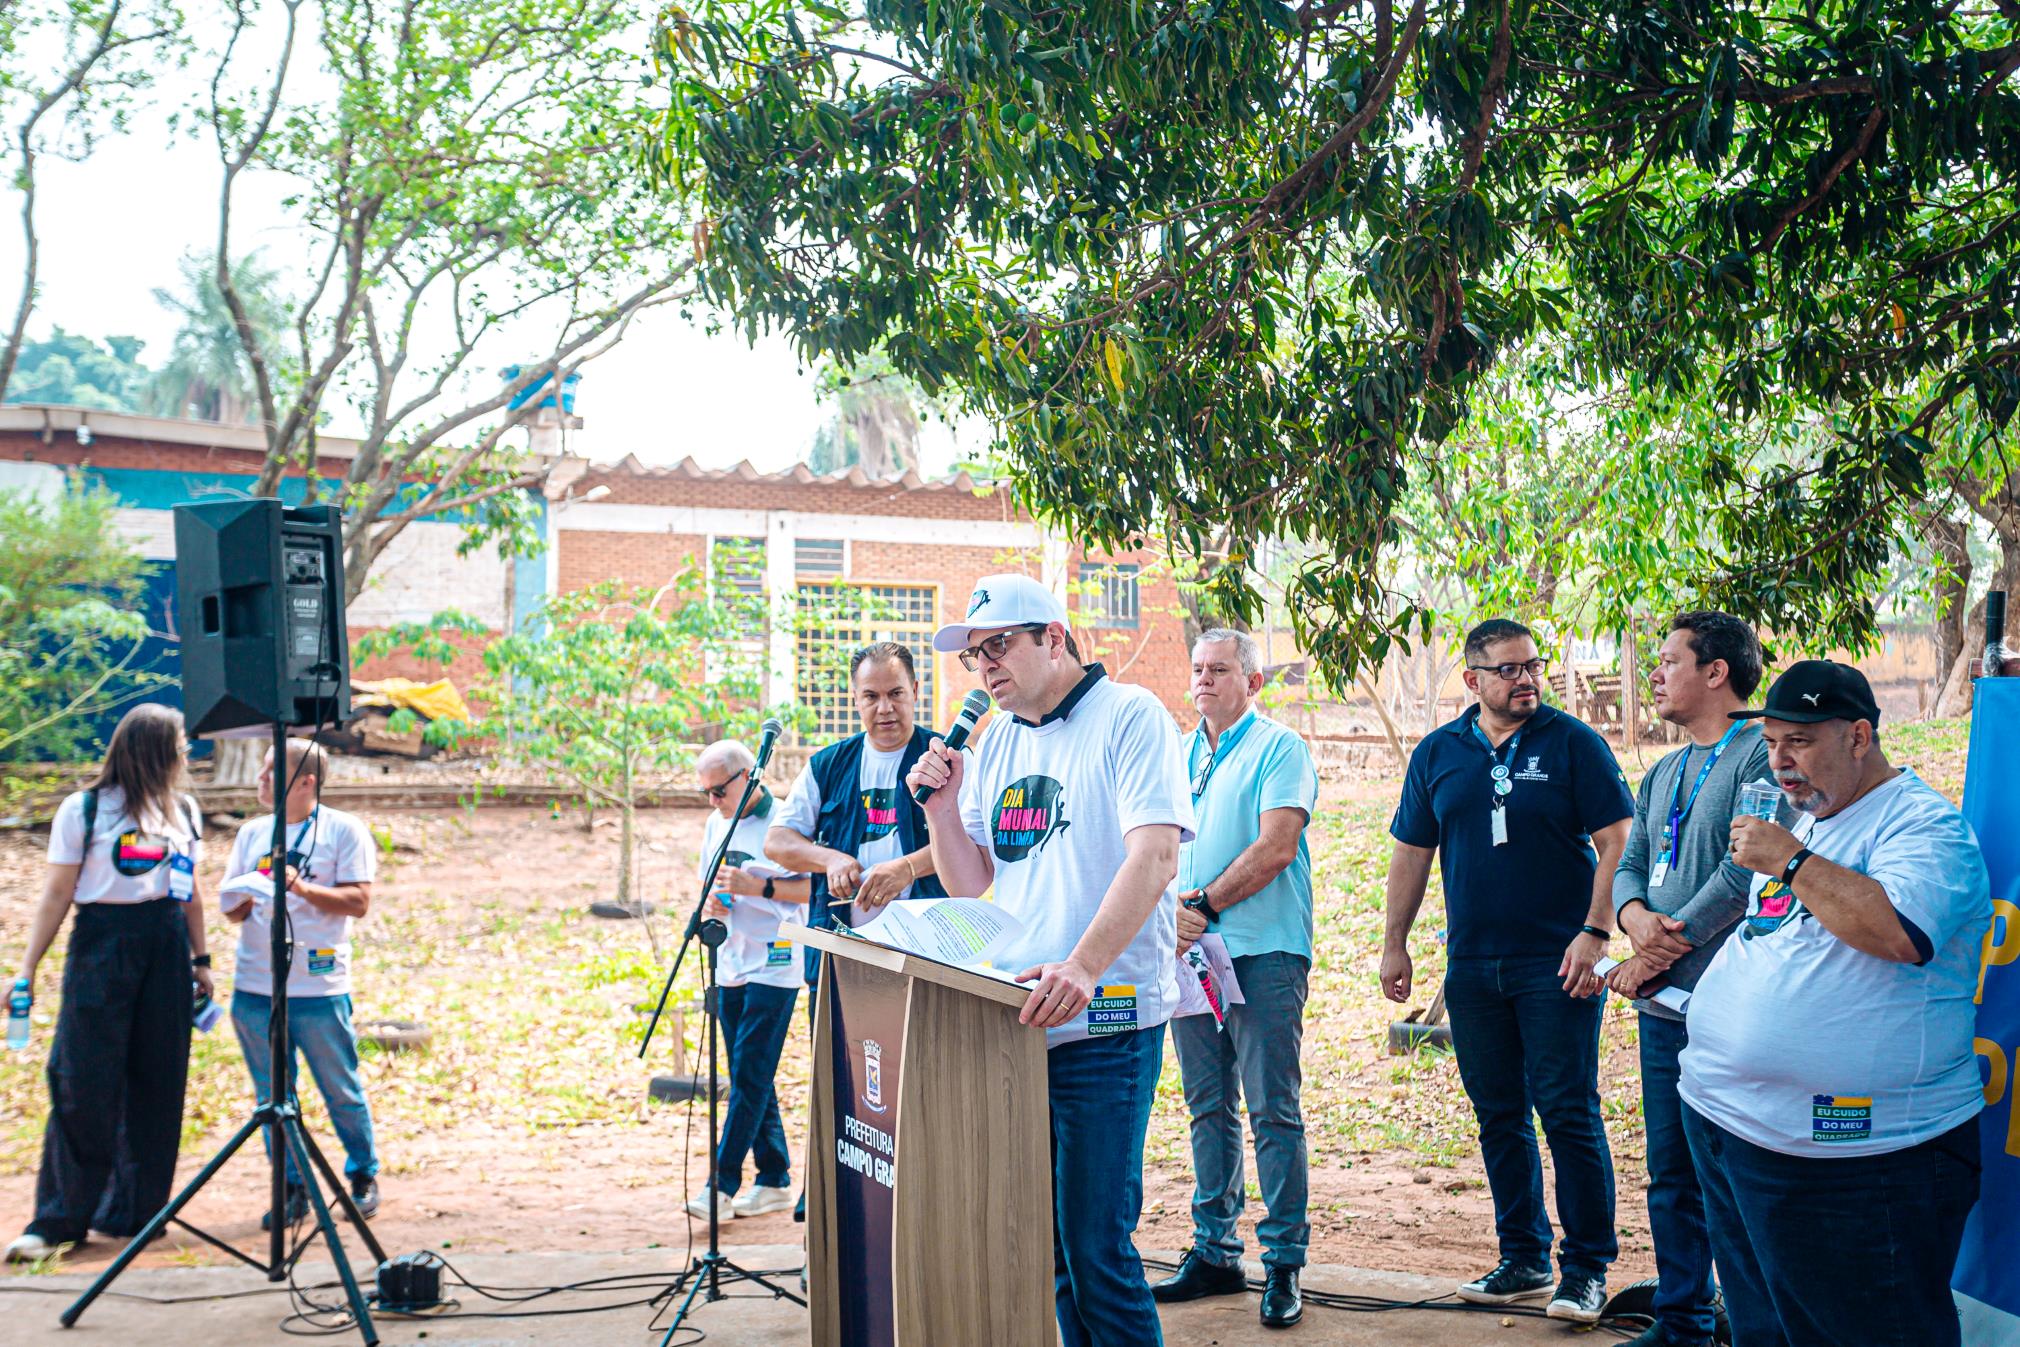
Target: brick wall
pixel 585 558
pixel 108 451
pixel 1154 654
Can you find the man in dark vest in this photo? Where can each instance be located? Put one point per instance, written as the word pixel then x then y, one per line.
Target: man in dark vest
pixel 849 823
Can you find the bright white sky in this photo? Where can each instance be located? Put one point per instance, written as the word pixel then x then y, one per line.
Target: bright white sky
pixel 116 226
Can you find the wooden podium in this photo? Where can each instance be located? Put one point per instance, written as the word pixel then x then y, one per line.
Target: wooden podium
pixel 933 1231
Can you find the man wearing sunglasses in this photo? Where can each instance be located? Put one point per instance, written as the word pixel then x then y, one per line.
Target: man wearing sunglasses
pixel 1074 810
pixel 1248 879
pixel 757 980
pixel 1528 813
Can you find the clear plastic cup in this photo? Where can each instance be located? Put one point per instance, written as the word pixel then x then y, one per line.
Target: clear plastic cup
pixel 1760 799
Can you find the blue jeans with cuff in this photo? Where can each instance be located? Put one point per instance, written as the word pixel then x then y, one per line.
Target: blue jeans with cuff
pixel 1524 1045
pixel 1101 1095
pixel 755 1021
pixel 1826 1251
pixel 319 1027
pixel 1255 1057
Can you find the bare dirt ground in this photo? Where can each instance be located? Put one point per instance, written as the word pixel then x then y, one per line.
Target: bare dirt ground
pixel 527 1127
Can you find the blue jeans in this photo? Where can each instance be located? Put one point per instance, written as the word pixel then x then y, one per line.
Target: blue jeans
pixel 755 1022
pixel 1523 1046
pixel 1254 1057
pixel 1676 1222
pixel 1101 1094
pixel 320 1029
pixel 1820 1251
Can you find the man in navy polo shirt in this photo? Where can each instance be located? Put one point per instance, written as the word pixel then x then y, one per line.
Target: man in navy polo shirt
pixel 1528 813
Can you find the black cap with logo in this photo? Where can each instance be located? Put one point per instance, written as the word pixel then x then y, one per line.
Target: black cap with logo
pixel 1814 690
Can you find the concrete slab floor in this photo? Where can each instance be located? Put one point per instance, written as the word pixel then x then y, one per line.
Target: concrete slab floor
pixel 29 1306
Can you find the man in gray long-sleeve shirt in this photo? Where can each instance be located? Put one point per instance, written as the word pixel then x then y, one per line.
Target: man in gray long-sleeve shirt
pixel 1678 897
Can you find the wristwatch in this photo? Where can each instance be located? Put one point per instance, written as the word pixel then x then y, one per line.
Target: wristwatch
pixel 1203 905
pixel 199 961
pixel 1795 864
pixel 768 888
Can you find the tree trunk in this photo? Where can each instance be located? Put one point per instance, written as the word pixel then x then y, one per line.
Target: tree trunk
pixel 1949 539
pixel 626 836
pixel 1957 690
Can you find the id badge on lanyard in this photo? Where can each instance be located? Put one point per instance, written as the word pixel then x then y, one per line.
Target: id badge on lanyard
pixel 1679 809
pixel 181 877
pixel 1500 772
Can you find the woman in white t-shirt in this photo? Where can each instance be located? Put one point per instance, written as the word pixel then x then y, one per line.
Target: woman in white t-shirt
pixel 124 853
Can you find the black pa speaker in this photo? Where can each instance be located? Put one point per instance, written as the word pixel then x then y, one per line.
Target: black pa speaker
pixel 259 614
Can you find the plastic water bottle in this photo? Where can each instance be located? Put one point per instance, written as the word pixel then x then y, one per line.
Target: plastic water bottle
pixel 17 1015
pixel 1997 653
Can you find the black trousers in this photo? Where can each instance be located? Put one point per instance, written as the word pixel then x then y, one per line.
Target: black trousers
pixel 116 1072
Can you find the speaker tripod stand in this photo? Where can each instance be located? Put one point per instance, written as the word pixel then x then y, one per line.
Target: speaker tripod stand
pixel 287 1137
pixel 706 1274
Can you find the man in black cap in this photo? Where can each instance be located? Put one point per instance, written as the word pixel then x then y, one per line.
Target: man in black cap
pixel 1830 1085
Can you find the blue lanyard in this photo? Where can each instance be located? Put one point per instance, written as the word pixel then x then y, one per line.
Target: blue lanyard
pixel 1498 766
pixel 1672 835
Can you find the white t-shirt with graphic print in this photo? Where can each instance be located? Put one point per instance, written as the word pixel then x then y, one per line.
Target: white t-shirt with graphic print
pixel 759 949
pixel 1051 804
pixel 115 831
pixel 877 779
pixel 336 849
pixel 1803 1045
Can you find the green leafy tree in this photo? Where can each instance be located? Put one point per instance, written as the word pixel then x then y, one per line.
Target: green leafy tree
pixel 70 621
pixel 1236 268
pixel 76 371
pixel 608 689
pixel 461 175
pixel 70 71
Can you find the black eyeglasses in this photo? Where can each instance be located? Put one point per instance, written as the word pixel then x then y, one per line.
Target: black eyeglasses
pixel 1508 673
pixel 996 647
pixel 721 792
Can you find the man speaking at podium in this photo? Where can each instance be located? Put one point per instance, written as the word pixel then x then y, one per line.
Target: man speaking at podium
pixel 1074 808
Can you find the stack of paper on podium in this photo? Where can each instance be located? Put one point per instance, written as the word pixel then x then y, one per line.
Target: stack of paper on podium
pixel 967 932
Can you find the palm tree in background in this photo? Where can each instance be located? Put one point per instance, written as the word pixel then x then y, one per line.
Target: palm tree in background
pixel 207 376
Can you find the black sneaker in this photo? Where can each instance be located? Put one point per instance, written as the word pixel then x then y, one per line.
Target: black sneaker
pixel 297 1208
pixel 1196 1278
pixel 365 1195
pixel 1580 1298
pixel 1505 1284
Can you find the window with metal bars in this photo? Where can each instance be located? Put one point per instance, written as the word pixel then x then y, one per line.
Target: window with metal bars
pixel 834 621
pixel 819 556
pixel 1110 596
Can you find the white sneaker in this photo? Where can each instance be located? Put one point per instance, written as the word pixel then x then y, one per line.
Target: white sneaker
pixel 725 1207
pixel 29 1249
pixel 758 1199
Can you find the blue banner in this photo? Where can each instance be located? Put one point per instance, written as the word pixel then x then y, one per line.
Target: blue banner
pixel 866 1019
pixel 1988 1268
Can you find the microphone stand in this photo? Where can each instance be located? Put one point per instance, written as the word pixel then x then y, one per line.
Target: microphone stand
pixel 709 1270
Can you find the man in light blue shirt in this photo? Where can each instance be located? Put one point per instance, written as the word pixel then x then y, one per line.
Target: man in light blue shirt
pixel 1246 878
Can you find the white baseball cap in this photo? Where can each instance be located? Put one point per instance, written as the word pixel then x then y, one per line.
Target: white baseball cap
pixel 1001 601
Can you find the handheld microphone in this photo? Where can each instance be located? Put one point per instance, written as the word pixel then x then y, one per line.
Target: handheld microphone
pixel 972 710
pixel 772 731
